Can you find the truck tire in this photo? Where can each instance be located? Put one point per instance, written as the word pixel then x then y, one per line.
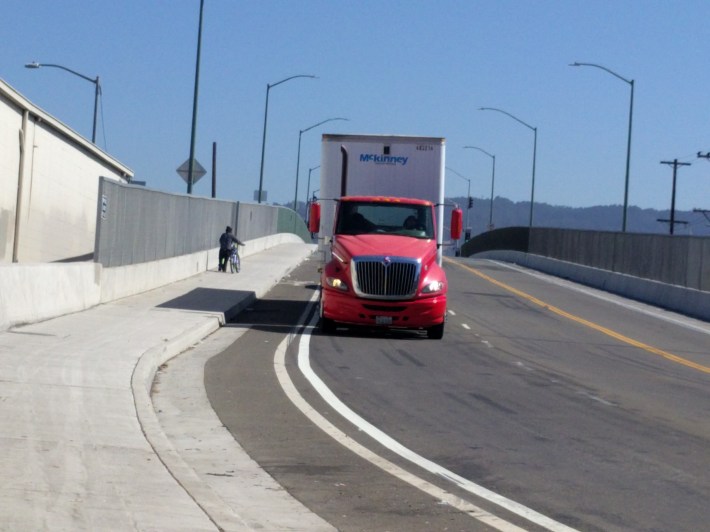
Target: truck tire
pixel 327 326
pixel 436 332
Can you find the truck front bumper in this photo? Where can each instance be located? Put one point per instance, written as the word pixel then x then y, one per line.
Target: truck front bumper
pixel 410 314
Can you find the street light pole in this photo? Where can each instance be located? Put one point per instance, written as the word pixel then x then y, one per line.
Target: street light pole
pixel 191 164
pixel 298 159
pixel 266 113
pixel 468 197
pixel 534 130
pixel 628 141
pixel 97 89
pixel 493 180
pixel 308 187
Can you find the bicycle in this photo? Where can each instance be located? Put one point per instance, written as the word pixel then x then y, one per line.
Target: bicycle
pixel 234 260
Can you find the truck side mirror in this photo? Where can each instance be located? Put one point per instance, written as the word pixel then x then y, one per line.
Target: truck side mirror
pixel 314 218
pixel 456 223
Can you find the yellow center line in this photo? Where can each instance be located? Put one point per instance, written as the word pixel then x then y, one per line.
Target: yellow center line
pixel 587 323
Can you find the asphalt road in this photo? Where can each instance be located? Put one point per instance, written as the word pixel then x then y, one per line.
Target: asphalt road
pixel 552 403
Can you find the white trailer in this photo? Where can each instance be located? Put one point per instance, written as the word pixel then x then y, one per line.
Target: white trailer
pixel 380 165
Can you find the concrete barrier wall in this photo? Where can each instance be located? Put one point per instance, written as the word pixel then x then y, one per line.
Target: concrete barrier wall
pixel 675 260
pixel 680 299
pixel 36 292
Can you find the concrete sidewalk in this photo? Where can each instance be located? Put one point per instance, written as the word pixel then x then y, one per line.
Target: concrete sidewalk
pixel 82 447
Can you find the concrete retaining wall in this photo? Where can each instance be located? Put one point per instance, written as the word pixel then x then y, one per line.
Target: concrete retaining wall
pixel 36 292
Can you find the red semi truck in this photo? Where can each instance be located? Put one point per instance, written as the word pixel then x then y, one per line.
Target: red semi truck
pixel 379 223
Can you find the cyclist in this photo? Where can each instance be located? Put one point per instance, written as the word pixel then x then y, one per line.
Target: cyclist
pixel 226 241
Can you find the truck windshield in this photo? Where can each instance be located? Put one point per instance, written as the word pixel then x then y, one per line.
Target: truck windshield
pixel 356 218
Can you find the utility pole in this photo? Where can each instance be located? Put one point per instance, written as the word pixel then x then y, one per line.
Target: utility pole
pixel 704 212
pixel 675 164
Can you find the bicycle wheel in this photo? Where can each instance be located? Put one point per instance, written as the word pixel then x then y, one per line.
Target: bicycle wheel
pixel 232 264
pixel 237 263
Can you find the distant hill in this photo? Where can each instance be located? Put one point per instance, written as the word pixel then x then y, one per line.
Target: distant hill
pixel 507 213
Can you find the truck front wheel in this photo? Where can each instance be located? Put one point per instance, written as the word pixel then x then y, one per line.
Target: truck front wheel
pixel 436 332
pixel 327 326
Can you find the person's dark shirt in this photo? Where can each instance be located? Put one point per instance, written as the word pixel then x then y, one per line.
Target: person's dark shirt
pixel 227 239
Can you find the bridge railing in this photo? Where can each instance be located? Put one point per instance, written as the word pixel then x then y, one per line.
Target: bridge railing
pixel 676 260
pixel 668 272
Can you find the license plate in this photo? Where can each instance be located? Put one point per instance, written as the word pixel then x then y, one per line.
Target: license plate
pixel 383 320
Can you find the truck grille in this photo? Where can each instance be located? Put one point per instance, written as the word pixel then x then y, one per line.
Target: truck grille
pixel 385 277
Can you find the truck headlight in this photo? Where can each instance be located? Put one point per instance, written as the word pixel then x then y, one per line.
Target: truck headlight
pixel 335 282
pixel 434 286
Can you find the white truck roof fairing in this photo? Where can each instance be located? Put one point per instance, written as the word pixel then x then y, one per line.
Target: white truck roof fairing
pixel 380 165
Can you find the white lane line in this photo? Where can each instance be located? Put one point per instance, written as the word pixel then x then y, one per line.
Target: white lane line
pixel 596 398
pixel 484 342
pixel 443 495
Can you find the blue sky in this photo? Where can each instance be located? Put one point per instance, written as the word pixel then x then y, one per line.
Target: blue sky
pixel 403 67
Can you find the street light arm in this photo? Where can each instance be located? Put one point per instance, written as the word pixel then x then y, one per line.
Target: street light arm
pixel 462 177
pixel 266 114
pixel 534 130
pixel 480 149
pixel 628 142
pixel 629 81
pixel 298 160
pixel 97 91
pixel 455 172
pixel 507 113
pixel 35 64
pixel 270 85
pixel 321 123
pixel 493 180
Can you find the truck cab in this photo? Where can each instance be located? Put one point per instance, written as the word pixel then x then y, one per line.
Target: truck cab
pixel 383 268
